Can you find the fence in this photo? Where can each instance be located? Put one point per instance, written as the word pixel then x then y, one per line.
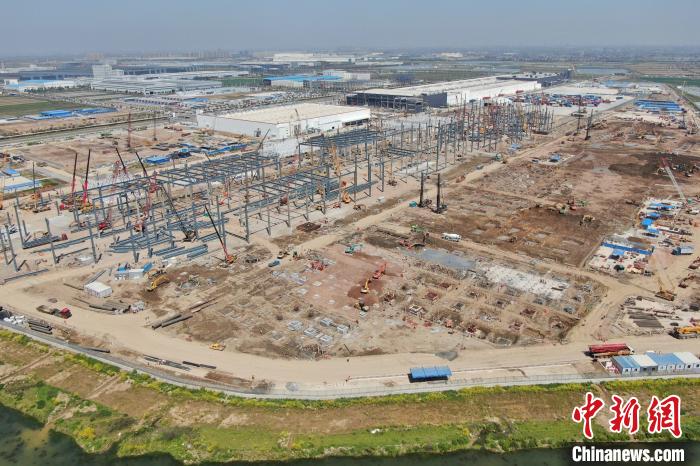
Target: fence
pixel 272 392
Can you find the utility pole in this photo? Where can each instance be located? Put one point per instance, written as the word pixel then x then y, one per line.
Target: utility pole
pixel 128 132
pixel 155 137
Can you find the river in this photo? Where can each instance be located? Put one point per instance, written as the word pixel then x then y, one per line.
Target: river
pixel 25 442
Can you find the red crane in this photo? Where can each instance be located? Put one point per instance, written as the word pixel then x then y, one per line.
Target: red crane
pixel 86 202
pixel 228 258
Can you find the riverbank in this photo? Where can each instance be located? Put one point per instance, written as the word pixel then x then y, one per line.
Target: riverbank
pixel 105 409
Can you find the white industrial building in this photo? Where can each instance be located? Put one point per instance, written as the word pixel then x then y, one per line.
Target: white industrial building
pixel 349 75
pixel 38 84
pixel 147 86
pixel 286 121
pixel 443 94
pixel 98 289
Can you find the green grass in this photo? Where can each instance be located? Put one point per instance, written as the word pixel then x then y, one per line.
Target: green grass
pixel 673 81
pixel 494 418
pixel 31 107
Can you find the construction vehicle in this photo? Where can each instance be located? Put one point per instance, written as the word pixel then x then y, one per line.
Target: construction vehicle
pixel 365 288
pixel 228 258
pixel 189 234
pixel 608 350
pixel 118 170
pixel 283 253
pixel 86 205
pixel 217 346
pixel 161 279
pixel 379 272
pixel 669 172
pixel 64 313
pixel 361 306
pixel 689 331
pixel 69 203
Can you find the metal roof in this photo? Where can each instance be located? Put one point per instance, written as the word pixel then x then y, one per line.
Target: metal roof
pixel 438 88
pixel 687 357
pixel 291 113
pixel 665 359
pixel 303 77
pixel 425 373
pixel 643 361
pixel 626 362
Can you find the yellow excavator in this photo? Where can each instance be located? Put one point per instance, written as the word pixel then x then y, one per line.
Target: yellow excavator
pixel 217 346
pixel 690 331
pixel 365 288
pixel 158 280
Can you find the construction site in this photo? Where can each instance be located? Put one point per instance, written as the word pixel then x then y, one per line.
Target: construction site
pixel 409 239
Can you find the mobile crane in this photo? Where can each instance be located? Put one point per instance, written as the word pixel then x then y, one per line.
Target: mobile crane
pixel 228 258
pixel 189 234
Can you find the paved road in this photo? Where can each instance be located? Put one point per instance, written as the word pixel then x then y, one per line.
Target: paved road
pixel 288 392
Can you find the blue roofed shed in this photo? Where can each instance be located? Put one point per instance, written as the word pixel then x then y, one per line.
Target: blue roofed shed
pixel 424 374
pixel 666 362
pixel 158 159
pixel 625 364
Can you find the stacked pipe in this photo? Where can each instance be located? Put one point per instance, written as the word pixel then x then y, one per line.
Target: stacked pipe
pixel 40 326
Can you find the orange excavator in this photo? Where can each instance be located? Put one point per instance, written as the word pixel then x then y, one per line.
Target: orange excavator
pixel 379 272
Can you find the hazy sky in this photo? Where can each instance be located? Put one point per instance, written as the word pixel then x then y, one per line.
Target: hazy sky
pixel 75 26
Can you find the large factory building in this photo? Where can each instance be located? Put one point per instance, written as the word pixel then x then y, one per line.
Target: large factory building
pixel 286 121
pixel 416 98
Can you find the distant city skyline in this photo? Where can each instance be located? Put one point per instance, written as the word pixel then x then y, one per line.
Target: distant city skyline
pixel 45 27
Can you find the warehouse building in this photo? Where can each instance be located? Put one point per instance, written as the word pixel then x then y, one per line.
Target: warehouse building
pixel 38 84
pixel 652 363
pixel 153 86
pixel 286 121
pixel 446 94
pixel 297 80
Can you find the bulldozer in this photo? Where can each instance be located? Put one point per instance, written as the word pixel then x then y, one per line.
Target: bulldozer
pixel 217 346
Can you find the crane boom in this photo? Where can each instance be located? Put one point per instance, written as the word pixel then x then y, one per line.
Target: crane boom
pixel 189 234
pixel 85 183
pixel 669 172
pixel 228 258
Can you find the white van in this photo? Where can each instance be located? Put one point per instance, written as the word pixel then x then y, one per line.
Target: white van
pixel 451 237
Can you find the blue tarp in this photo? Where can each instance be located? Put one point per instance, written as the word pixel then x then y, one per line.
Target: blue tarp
pixel 647 222
pixel 628 248
pixel 56 113
pixel 10 172
pixel 158 159
pixel 430 373
pixel 617 253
